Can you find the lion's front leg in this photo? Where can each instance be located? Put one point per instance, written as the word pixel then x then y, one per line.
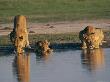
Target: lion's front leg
pixel 19 49
pixel 97 45
pixel 27 42
pixel 84 46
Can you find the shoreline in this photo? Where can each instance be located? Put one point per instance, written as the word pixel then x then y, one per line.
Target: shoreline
pixel 54 46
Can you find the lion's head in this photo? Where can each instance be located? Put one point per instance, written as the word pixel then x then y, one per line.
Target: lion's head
pixel 42 47
pixel 90 40
pixel 89 30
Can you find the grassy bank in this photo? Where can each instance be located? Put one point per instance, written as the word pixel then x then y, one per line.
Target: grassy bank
pixel 54 10
pixel 53 38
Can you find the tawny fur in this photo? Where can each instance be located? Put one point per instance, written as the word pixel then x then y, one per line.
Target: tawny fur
pixel 42 47
pixel 19 35
pixel 91 37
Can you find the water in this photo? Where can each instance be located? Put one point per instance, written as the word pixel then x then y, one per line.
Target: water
pixel 59 66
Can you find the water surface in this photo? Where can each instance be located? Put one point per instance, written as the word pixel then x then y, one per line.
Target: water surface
pixel 59 66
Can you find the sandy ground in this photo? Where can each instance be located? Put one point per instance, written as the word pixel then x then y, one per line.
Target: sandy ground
pixel 59 27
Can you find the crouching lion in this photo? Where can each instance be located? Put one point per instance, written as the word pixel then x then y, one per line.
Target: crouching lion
pixel 91 37
pixel 42 47
pixel 19 35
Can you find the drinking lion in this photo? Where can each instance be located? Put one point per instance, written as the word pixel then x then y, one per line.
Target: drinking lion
pixel 19 35
pixel 42 47
pixel 91 37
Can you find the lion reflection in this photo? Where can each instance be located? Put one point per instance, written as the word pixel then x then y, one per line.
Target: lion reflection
pixel 92 59
pixel 21 66
pixel 43 57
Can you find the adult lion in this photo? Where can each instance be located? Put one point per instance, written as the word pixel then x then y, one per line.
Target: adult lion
pixel 91 37
pixel 19 35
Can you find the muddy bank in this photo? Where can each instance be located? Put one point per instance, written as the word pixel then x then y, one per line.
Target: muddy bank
pixel 58 27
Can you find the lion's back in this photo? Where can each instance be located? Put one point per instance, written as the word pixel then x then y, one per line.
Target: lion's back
pixel 99 33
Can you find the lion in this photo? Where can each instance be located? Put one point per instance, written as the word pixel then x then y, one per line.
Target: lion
pixel 42 47
pixel 91 37
pixel 19 35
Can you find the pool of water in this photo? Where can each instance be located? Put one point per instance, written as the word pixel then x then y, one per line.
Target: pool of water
pixel 59 66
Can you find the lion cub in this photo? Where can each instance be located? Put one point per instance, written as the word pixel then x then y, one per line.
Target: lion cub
pixel 42 47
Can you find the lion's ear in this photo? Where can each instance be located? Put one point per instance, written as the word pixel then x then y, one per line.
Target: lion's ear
pixel 48 43
pixel 40 44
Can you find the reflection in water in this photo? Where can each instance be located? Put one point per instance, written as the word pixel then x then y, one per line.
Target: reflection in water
pixel 92 59
pixel 45 57
pixel 21 67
